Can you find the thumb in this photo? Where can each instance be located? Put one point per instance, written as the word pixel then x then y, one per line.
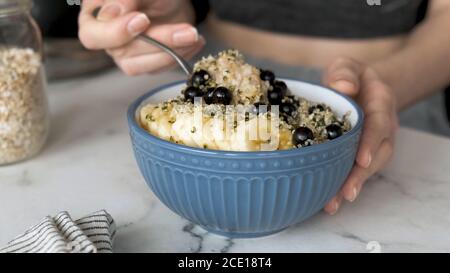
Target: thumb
pixel 344 75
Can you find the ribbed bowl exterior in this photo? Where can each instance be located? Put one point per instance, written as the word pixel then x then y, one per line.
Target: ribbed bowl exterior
pixel 243 195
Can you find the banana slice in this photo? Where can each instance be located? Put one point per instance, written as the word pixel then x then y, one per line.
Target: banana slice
pixel 165 127
pixel 154 123
pixel 222 137
pixel 209 139
pixel 245 137
pixel 146 116
pixel 197 133
pixel 183 129
pixel 251 135
pixel 150 119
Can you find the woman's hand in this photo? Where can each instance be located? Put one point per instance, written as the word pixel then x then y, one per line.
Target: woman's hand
pixel 120 21
pixel 377 141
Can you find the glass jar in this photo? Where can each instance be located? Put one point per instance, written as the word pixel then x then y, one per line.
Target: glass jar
pixel 24 115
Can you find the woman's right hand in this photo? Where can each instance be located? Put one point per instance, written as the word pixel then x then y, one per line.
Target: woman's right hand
pixel 120 21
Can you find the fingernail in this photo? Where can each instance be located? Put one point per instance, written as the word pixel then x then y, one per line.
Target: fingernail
pixel 109 12
pixel 138 24
pixel 186 36
pixel 355 193
pixel 369 160
pixel 364 160
pixel 343 86
pixel 335 207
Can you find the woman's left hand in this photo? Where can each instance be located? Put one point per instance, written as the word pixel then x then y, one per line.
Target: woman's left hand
pixel 376 98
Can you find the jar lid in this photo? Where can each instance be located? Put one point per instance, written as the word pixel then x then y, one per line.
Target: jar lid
pixel 13 6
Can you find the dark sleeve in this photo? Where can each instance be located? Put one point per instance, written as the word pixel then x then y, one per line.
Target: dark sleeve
pixel 422 11
pixel 201 8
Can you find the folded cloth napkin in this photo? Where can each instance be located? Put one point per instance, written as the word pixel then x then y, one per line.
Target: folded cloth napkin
pixel 60 234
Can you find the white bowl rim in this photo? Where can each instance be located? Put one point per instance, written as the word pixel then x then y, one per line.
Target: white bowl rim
pixel 132 111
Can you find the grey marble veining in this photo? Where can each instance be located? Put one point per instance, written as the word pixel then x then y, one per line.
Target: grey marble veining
pixel 88 165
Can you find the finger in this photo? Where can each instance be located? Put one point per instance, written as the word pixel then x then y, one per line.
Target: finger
pixel 112 8
pixel 168 34
pixel 344 76
pixel 160 8
pixel 97 8
pixel 87 9
pixel 91 4
pixel 151 63
pixel 175 35
pixel 377 128
pixel 376 101
pixel 96 34
pixel 333 206
pixel 359 175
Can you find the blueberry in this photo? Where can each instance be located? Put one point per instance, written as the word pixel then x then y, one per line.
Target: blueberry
pixel 267 75
pixel 301 135
pixel 275 96
pixel 222 96
pixel 191 93
pixel 315 107
pixel 287 109
pixel 200 78
pixel 282 86
pixel 334 131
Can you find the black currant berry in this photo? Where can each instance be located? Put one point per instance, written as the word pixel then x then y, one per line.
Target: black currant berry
pixel 200 78
pixel 287 109
pixel 301 136
pixel 334 131
pixel 318 107
pixel 282 86
pixel 275 96
pixel 209 96
pixel 222 96
pixel 191 93
pixel 267 75
pixel 256 110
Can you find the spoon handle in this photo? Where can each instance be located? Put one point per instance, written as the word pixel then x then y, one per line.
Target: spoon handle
pixel 180 60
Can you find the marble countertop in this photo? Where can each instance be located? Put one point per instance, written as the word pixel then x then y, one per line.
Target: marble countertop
pixel 88 165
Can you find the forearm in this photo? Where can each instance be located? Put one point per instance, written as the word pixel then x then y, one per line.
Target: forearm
pixel 423 65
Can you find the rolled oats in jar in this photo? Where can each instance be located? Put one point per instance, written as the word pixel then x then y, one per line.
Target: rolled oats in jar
pixel 24 115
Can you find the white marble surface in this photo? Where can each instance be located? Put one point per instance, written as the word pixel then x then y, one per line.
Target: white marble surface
pixel 88 165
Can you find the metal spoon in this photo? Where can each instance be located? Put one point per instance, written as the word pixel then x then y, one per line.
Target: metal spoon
pixel 180 60
pixel 187 68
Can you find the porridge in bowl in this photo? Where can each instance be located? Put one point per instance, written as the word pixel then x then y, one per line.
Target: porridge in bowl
pixel 231 105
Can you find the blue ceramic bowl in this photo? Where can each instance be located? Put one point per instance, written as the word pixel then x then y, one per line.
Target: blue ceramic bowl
pixel 246 194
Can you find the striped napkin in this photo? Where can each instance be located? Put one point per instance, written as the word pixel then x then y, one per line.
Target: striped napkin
pixel 60 234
